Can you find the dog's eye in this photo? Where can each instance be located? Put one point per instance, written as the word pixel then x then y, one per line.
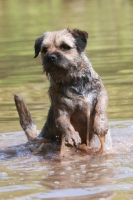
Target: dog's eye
pixel 44 49
pixel 65 47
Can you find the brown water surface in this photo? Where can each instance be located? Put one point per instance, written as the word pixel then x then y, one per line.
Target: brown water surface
pixel 110 49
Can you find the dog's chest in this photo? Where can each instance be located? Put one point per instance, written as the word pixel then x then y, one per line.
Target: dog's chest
pixel 84 103
pixel 78 96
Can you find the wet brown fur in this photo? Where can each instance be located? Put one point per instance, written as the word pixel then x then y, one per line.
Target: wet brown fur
pixel 78 98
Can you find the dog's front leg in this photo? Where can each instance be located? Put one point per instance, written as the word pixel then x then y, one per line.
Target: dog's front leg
pixel 66 129
pixel 100 126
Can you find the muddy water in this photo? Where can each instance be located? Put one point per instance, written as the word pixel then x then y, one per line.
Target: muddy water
pixel 24 175
pixel 28 176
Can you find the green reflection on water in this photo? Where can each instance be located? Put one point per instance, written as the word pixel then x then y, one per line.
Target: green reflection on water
pixel 110 49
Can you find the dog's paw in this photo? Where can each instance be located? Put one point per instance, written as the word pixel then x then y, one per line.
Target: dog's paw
pixel 73 138
pixel 100 125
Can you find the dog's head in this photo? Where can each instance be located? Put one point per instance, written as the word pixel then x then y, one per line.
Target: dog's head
pixel 61 50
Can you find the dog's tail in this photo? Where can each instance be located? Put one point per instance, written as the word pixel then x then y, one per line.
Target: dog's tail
pixel 26 121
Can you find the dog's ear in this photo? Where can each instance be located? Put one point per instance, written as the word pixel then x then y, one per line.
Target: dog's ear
pixel 37 45
pixel 80 37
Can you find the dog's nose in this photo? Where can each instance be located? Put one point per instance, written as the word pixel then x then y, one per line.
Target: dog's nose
pixel 52 57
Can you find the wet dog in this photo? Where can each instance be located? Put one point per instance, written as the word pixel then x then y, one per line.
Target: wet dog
pixel 78 97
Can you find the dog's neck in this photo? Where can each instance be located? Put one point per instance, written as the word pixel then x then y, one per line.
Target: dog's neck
pixel 79 84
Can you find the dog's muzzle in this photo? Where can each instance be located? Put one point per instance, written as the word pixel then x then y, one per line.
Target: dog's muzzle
pixel 55 60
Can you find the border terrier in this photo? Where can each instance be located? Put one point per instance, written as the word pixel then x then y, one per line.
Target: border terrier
pixel 78 97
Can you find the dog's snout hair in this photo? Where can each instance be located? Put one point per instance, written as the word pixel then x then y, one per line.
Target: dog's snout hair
pixel 78 97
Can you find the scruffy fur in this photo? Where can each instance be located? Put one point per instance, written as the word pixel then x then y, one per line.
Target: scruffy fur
pixel 78 98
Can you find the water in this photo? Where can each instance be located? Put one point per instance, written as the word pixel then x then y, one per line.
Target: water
pixel 28 176
pixel 24 175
